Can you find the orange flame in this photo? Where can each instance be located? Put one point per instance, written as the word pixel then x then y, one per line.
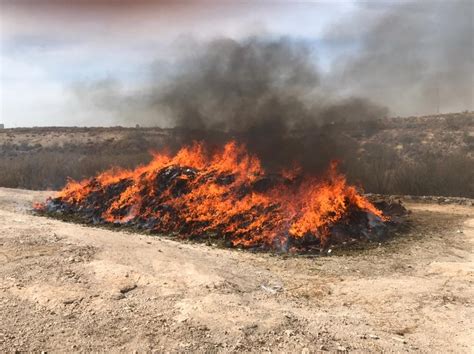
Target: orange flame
pixel 214 193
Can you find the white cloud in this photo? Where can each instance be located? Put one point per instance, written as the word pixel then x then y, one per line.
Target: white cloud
pixel 30 97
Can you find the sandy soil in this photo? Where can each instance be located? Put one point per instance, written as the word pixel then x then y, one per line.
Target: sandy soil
pixel 69 287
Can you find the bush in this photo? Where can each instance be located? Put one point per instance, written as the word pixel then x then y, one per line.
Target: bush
pixel 382 171
pixel 50 170
pixel 379 167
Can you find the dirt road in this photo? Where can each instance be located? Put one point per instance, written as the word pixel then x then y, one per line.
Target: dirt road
pixel 71 287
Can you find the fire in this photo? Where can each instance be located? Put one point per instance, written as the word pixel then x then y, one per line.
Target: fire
pixel 226 195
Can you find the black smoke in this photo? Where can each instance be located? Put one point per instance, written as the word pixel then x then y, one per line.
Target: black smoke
pixel 265 93
pixel 412 58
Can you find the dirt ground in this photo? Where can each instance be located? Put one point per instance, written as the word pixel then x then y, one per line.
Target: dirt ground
pixel 69 287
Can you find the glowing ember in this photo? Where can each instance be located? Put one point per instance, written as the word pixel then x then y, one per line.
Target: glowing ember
pixel 224 195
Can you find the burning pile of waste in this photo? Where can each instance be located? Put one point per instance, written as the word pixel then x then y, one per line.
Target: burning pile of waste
pixel 227 196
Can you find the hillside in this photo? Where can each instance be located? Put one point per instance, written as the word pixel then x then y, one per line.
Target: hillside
pixel 411 155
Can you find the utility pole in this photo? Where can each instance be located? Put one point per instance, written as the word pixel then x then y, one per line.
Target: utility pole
pixel 437 97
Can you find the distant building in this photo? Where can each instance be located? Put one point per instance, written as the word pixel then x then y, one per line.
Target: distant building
pixel 2 126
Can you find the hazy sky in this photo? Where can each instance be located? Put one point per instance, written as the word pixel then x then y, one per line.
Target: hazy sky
pixel 48 47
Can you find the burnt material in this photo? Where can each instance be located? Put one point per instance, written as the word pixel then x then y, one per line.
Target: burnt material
pixel 228 198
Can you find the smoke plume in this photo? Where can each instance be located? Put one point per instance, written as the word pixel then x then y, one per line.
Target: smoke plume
pixel 263 92
pixel 268 92
pixel 414 57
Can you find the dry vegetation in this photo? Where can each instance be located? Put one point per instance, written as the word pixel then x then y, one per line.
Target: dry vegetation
pixel 416 155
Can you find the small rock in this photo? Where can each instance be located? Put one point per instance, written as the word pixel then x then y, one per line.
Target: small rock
pixel 272 289
pixel 341 348
pixel 399 339
pixel 289 333
pixel 323 348
pixel 118 296
pixel 374 336
pixel 127 288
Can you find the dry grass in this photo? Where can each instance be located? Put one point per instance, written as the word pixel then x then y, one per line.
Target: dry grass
pixel 451 175
pixel 50 170
pixel 415 155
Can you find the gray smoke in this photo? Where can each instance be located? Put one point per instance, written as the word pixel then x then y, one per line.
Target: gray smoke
pixel 269 93
pixel 415 57
pixel 266 93
pixel 263 92
pixel 252 85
